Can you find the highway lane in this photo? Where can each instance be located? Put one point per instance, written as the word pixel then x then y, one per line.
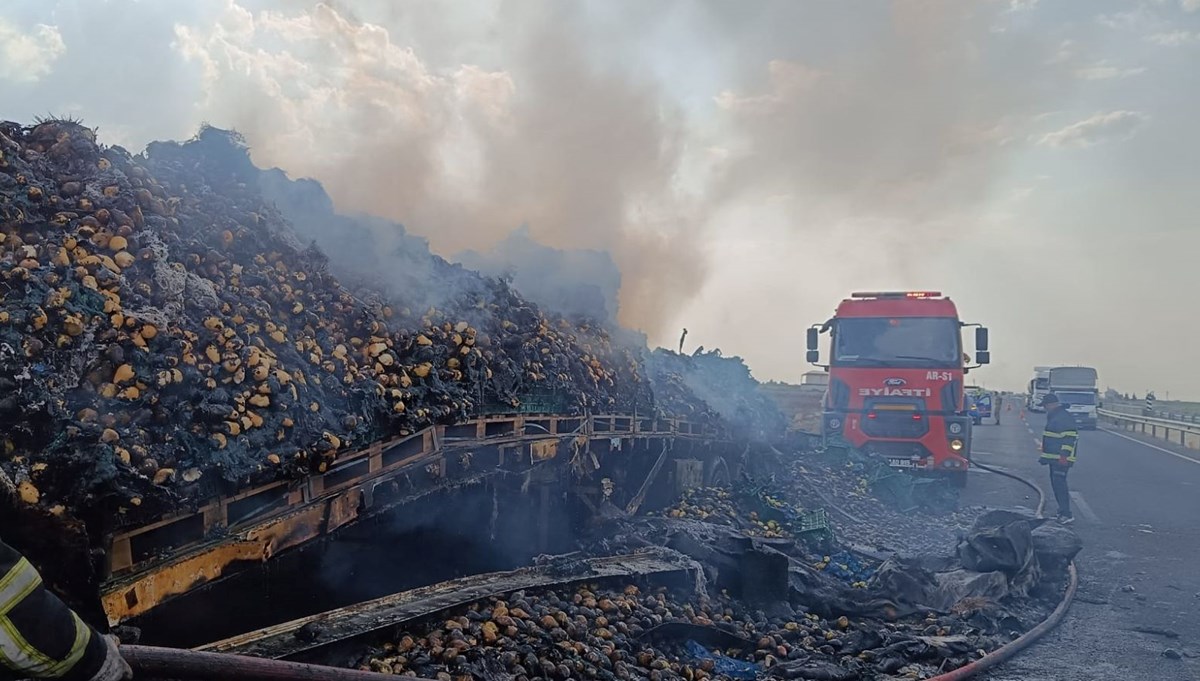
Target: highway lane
pixel 1138 512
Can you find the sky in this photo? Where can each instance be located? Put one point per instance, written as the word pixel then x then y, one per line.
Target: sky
pixel 746 165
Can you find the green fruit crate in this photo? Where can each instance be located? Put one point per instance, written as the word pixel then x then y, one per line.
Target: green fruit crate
pixel 813 525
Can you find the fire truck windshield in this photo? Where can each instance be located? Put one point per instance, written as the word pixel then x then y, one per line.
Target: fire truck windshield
pixel 897 341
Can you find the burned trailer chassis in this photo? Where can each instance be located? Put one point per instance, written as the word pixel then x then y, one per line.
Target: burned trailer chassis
pixel 552 469
pixel 336 636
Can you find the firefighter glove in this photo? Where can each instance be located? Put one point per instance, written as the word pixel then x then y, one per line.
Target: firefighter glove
pixel 115 668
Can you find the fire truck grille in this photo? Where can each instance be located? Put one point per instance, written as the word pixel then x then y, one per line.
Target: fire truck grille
pixel 899 450
pixel 899 423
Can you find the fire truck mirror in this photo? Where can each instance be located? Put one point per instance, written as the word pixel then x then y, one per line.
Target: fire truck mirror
pixel 981 340
pixel 983 357
pixel 813 334
pixel 813 356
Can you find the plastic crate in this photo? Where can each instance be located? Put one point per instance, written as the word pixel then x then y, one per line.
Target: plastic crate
pixel 814 526
pixel 811 526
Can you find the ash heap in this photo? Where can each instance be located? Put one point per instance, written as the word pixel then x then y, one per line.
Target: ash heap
pixel 167 336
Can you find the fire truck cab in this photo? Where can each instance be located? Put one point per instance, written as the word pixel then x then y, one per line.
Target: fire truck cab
pixel 896 377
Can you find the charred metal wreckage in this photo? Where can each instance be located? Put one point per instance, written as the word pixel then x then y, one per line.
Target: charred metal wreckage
pixel 151 564
pixel 187 387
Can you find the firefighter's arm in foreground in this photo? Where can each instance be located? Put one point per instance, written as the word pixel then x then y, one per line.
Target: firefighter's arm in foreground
pixel 41 638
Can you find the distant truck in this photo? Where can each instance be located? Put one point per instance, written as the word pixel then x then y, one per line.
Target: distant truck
pixel 1039 385
pixel 896 380
pixel 1076 390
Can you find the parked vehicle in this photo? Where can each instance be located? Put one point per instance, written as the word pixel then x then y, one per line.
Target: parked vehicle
pixel 1076 390
pixel 896 380
pixel 1039 385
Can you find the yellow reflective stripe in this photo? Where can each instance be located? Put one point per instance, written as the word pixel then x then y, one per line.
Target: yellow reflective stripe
pixel 18 654
pixel 22 657
pixel 20 581
pixel 17 584
pixel 83 636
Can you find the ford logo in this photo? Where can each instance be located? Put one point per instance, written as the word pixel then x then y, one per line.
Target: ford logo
pixel 894 381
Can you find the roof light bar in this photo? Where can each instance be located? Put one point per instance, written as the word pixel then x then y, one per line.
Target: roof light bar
pixel 896 294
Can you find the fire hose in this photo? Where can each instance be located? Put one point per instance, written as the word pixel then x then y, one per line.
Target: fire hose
pixel 149 662
pixel 1010 649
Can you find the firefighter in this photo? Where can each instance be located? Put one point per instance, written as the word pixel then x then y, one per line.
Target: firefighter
pixel 1059 441
pixel 41 638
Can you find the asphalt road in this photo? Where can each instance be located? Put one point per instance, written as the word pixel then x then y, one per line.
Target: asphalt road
pixel 1137 508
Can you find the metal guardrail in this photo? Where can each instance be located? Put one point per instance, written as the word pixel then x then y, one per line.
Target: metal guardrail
pixel 1139 410
pixel 1156 427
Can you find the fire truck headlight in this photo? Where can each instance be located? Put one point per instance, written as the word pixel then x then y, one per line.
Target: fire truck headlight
pixel 955 428
pixel 956 445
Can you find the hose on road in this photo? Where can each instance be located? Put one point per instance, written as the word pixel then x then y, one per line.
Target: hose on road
pixel 1010 649
pixel 150 662
pixel 1041 507
pixel 1007 651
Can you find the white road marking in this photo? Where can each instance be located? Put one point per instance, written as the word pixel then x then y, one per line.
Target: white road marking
pixel 1084 508
pixel 1147 444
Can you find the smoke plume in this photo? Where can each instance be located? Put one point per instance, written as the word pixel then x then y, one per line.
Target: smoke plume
pixel 730 157
pixel 586 158
pixel 578 283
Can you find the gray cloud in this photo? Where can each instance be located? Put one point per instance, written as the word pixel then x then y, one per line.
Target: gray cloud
pixel 1106 71
pixel 1127 19
pixel 904 140
pixel 1173 38
pixel 1114 125
pixel 28 55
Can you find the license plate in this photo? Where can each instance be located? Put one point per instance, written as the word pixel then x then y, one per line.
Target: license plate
pixel 900 463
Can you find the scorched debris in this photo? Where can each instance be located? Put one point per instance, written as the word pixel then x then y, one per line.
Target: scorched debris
pixel 165 336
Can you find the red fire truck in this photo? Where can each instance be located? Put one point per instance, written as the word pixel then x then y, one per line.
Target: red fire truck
pixel 896 380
